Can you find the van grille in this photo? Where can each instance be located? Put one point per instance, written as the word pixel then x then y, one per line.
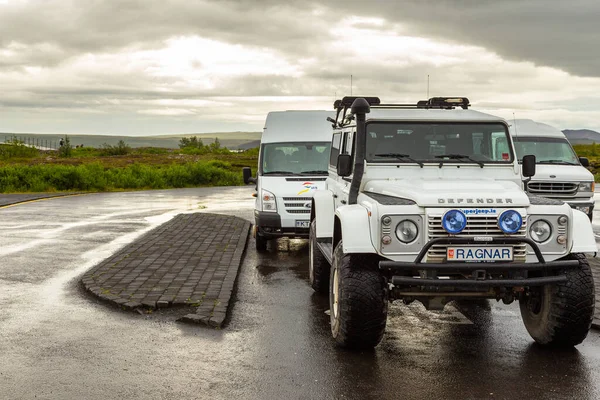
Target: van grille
pixel 552 188
pixel 476 226
pixel 297 205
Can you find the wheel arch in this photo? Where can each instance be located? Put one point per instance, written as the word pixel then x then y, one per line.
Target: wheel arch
pixel 354 227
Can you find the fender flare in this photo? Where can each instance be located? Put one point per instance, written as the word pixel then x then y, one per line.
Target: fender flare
pixel 584 240
pixel 353 221
pixel 323 206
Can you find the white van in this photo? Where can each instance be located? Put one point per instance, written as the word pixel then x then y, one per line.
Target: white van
pixel 559 173
pixel 292 163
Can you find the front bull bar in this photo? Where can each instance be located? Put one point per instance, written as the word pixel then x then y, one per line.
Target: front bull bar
pixel 478 269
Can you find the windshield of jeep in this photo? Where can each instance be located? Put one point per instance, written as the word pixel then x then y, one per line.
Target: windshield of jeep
pixel 301 158
pixel 546 150
pixel 438 142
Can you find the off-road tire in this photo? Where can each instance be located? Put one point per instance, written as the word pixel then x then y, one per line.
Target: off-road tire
pixel 318 266
pixel 561 314
pixel 261 243
pixel 362 297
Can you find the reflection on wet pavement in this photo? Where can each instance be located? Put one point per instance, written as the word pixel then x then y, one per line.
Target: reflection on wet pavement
pixel 57 343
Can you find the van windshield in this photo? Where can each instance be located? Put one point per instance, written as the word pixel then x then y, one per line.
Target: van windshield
pixel 437 142
pixel 298 158
pixel 546 150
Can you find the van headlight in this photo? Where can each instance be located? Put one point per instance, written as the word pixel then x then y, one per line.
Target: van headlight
pixel 540 231
pixel 586 187
pixel 268 201
pixel 407 231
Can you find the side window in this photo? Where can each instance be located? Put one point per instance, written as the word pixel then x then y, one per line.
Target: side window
pixel 335 149
pixel 348 143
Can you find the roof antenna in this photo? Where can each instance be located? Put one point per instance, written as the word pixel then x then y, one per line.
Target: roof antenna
pixel 427 85
pixel 515 124
pixel 350 85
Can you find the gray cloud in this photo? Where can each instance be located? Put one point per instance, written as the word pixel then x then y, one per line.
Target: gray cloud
pixel 62 58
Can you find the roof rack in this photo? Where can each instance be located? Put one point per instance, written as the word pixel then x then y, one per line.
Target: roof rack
pixel 442 103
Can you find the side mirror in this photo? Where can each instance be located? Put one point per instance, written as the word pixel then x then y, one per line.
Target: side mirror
pixel 528 166
pixel 344 165
pixel 247 174
pixel 584 161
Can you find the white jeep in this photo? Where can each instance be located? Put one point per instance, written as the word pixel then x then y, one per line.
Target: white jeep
pixel 419 206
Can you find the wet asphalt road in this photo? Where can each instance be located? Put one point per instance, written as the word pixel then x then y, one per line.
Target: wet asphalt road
pixel 58 343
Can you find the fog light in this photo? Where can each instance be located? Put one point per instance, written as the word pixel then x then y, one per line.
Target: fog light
pixel 561 239
pixel 386 221
pixel 386 239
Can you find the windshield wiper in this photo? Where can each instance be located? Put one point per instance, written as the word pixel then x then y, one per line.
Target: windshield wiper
pixel 279 173
pixel 460 157
pixel 315 172
pixel 401 157
pixel 556 162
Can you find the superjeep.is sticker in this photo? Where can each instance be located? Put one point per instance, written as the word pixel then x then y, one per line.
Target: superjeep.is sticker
pixel 480 211
pixel 307 187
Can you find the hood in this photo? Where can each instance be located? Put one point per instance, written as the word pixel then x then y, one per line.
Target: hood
pixel 562 173
pixel 452 193
pixel 292 186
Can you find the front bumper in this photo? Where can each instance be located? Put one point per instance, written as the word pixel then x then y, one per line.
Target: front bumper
pixel 268 225
pixel 504 274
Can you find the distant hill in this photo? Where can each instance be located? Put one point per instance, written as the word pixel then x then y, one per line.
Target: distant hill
pixel 582 136
pixel 231 140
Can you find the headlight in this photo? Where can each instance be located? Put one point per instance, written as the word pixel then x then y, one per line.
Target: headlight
pixel 540 231
pixel 407 231
pixel 268 201
pixel 454 221
pixel 510 221
pixel 586 186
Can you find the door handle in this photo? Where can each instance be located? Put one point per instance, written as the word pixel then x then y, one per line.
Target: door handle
pixel 335 196
pixel 343 201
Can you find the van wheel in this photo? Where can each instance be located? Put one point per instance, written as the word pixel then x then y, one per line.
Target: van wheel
pixel 318 266
pixel 358 301
pixel 261 243
pixel 561 314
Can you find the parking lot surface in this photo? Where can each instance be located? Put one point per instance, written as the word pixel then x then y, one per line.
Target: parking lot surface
pixel 59 343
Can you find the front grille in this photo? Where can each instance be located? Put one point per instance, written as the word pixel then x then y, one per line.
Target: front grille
pixel 297 205
pixel 552 188
pixel 476 226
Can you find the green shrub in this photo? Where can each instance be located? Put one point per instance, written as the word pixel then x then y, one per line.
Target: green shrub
pixel 65 150
pixel 120 149
pixel 94 177
pixel 15 148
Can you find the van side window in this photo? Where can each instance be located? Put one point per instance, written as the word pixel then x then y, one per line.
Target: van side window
pixel 335 149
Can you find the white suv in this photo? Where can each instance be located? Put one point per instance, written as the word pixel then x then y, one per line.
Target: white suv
pixel 419 206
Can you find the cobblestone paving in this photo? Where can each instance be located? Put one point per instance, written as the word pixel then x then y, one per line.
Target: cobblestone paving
pixel 192 260
pixel 9 199
pixel 595 264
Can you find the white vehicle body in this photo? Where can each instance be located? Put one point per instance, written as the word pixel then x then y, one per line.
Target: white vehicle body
pixel 560 174
pixel 426 202
pixel 292 165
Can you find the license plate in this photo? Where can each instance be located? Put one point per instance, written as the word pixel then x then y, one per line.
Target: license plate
pixel 302 224
pixel 472 253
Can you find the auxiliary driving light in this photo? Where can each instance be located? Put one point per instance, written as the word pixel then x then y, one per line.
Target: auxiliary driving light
pixel 510 221
pixel 454 221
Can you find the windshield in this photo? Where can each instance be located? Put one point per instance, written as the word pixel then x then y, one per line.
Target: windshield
pixel 546 150
pixel 295 158
pixel 441 141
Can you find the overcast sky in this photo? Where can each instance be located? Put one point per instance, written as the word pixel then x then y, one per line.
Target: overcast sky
pixel 142 67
